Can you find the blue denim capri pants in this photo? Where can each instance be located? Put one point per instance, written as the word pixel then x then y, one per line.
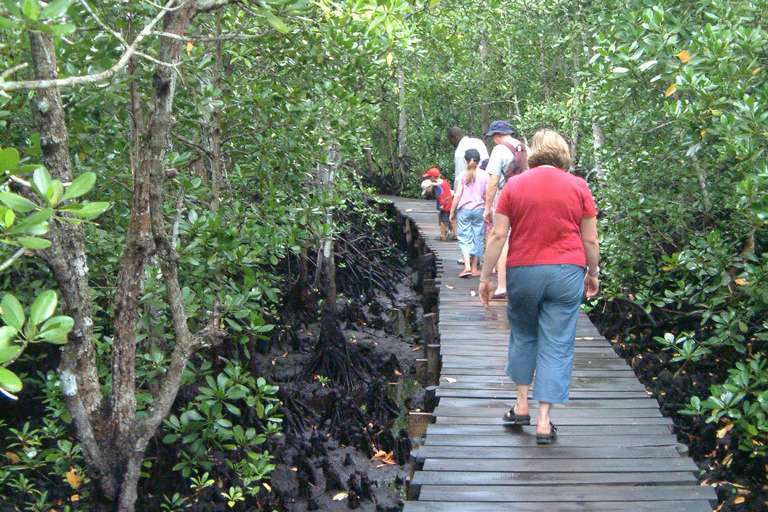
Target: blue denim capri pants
pixel 543 303
pixel 471 231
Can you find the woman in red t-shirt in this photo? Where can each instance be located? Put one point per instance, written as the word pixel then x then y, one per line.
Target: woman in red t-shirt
pixel 552 261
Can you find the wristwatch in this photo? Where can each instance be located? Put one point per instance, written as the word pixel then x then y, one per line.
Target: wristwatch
pixel 597 271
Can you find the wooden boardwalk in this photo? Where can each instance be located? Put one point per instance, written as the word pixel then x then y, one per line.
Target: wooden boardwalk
pixel 614 449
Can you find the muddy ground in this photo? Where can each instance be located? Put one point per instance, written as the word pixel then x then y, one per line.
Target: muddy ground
pixel 346 446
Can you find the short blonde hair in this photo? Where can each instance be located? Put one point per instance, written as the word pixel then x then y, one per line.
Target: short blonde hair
pixel 549 148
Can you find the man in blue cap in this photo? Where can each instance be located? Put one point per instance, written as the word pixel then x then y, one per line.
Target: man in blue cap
pixel 501 157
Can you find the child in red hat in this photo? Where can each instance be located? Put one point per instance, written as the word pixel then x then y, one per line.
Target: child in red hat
pixel 444 200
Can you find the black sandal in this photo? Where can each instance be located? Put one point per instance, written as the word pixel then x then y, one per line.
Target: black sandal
pixel 547 438
pixel 512 418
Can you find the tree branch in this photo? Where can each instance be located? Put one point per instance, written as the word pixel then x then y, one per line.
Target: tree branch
pixel 96 77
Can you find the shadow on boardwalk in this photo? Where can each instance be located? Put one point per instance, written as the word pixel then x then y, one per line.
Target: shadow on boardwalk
pixel 614 450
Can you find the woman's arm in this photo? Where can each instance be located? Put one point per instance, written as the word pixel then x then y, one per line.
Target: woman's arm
pixel 492 252
pixel 588 230
pixel 456 198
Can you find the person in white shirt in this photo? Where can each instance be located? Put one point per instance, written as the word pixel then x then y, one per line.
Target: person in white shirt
pixel 501 156
pixel 462 143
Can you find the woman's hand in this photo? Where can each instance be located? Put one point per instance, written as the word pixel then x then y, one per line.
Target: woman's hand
pixel 591 285
pixel 485 291
pixel 452 216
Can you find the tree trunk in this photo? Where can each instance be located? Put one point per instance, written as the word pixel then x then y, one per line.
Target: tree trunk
pixel 576 134
pixel 214 135
pixel 326 183
pixel 485 119
pixel 402 139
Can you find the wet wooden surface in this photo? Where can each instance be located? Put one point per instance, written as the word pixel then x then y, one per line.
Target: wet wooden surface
pixel 614 450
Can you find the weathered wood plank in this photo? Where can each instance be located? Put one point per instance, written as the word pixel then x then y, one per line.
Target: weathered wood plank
pixel 520 437
pixel 526 478
pixel 614 465
pixel 564 493
pixel 614 506
pixel 569 430
pixel 552 451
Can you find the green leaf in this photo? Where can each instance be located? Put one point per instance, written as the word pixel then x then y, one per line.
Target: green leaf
pixel 9 218
pixel 31 242
pixel 9 157
pixel 6 23
pixel 13 313
pixel 55 9
pixel 9 381
pixel 9 353
pixel 17 203
pixel 80 186
pixel 43 307
pixel 273 20
pixel 7 335
pixel 30 8
pixel 62 29
pixel 12 8
pixel 56 329
pixel 33 221
pixel 41 180
pixel 88 210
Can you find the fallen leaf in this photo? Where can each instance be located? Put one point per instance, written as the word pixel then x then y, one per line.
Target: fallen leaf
pixel 415 349
pixel 684 56
pixel 340 496
pixel 12 457
pixel 738 500
pixel 756 71
pixel 189 47
pixel 409 210
pixel 74 497
pixel 472 293
pixel 703 132
pixel 274 362
pixel 74 479
pixel 721 433
pixel 294 469
pixel 449 379
pixel 740 281
pixel 398 373
pixel 670 91
pixel 266 486
pixel 450 287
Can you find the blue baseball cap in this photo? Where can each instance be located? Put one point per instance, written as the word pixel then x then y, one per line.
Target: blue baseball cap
pixel 501 127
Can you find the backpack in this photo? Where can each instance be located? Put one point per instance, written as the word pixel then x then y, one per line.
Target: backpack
pixel 520 163
pixel 445 198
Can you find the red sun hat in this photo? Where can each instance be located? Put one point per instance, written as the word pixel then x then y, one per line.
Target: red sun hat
pixel 433 171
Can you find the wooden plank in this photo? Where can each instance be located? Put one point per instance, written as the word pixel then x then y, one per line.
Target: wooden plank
pixel 552 451
pixel 570 430
pixel 526 436
pixel 615 506
pixel 585 420
pixel 566 493
pixel 615 465
pixel 478 478
pixel 557 416
pixel 634 403
pixel 512 393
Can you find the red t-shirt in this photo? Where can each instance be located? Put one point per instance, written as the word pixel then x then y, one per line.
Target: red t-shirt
pixel 545 206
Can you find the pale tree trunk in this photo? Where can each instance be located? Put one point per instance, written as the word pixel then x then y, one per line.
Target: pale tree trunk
pixel 326 179
pixel 214 127
pixel 485 119
pixel 545 82
pixel 576 132
pixel 598 139
pixel 402 138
